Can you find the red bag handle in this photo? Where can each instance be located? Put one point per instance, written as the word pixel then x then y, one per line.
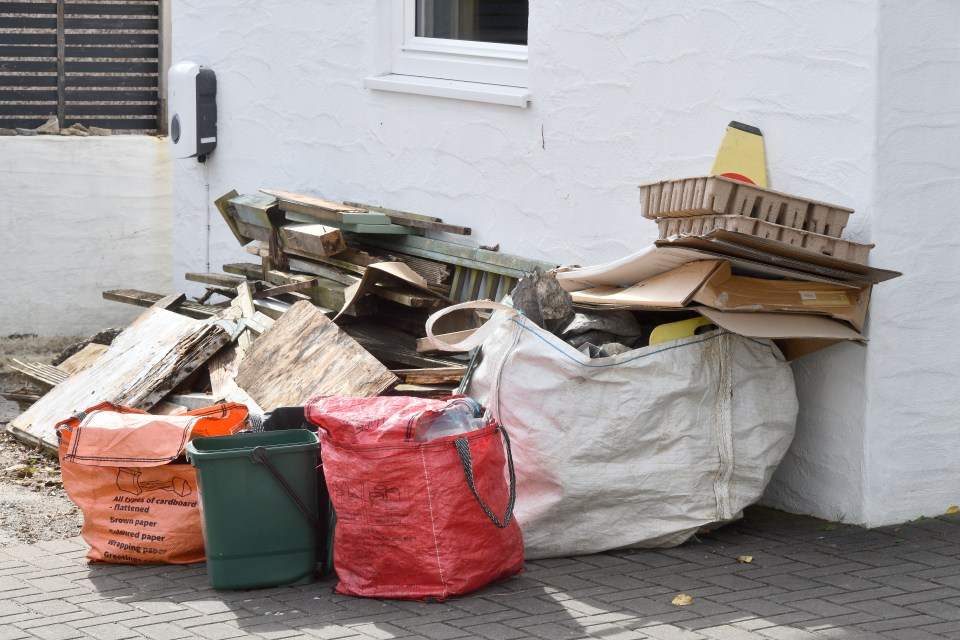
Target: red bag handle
pixel 463 448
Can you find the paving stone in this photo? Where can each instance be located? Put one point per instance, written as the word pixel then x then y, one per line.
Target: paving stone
pixel 612 632
pixel 217 631
pixel 438 631
pixel 670 632
pixel 553 631
pixel 57 631
pixel 109 631
pixel 912 634
pixel 163 631
pixel 939 609
pixel 494 631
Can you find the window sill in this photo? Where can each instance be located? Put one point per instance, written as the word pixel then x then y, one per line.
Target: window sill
pixel 455 89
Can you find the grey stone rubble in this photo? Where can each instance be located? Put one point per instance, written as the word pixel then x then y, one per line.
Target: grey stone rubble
pixel 807 579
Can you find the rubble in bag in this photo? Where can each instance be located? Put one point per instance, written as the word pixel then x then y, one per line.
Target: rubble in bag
pixel 540 298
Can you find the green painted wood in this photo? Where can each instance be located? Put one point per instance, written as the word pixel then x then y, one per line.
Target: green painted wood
pixel 473 257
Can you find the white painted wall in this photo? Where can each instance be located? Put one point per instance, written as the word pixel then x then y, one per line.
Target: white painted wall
pixel 80 216
pixel 623 93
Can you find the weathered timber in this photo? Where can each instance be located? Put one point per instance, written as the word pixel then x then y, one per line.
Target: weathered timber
pixel 230 216
pixel 148 359
pixel 42 374
pixel 293 287
pixel 415 220
pixel 147 299
pixel 457 254
pixel 430 376
pixel 312 239
pixel 384 227
pixel 254 208
pixel 305 354
pixel 216 279
pixel 434 392
pixel 318 210
pixel 83 358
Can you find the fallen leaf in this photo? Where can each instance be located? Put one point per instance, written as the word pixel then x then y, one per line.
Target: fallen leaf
pixel 682 600
pixel 952 510
pixel 744 558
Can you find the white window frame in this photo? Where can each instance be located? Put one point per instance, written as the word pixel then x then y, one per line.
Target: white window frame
pixel 482 71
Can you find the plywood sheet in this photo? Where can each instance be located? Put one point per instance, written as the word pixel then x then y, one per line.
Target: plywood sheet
pixel 304 354
pixel 144 363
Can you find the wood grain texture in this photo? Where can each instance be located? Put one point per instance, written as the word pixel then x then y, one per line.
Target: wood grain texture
pixel 144 363
pixel 305 354
pixel 83 358
pixel 312 239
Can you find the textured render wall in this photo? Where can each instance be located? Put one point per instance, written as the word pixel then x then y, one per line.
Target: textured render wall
pixel 79 216
pixel 623 92
pixel 913 421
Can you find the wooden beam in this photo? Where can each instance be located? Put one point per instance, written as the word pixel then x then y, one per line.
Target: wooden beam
pixel 286 288
pixel 414 220
pixel 312 239
pixel 147 299
pixel 430 376
pixel 216 279
pixel 461 255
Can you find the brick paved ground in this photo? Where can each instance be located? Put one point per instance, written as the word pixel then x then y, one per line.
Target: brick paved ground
pixel 808 579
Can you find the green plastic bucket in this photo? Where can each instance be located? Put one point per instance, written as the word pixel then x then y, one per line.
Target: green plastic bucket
pixel 255 535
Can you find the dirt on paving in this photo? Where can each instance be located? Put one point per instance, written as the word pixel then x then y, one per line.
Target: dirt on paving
pixel 33 504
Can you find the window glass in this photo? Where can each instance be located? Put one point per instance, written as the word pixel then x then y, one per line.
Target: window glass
pixel 500 21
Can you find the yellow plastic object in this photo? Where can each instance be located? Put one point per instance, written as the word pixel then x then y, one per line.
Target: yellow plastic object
pixel 741 155
pixel 677 330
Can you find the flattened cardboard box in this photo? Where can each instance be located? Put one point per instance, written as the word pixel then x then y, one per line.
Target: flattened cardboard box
pixel 727 292
pixel 783 318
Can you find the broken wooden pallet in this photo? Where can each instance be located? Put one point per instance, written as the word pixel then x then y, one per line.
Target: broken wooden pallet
pixel 144 363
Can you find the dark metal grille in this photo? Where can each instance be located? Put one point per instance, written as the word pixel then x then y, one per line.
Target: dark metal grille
pixel 93 62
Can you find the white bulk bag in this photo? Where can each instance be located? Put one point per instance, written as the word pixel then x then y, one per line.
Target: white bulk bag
pixel 635 450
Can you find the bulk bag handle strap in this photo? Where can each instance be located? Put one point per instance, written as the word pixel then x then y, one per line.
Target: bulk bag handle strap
pixel 261 455
pixel 463 448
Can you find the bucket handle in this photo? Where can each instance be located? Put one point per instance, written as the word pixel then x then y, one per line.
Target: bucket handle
pixel 463 448
pixel 261 455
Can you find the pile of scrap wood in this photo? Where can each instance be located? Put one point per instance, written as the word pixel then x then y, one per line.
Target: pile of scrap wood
pixel 336 304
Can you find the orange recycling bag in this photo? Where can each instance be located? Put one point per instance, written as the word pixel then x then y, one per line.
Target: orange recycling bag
pixel 120 467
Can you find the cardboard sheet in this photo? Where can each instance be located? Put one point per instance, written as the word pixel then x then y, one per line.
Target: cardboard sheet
pixel 672 289
pixel 726 292
pixel 654 260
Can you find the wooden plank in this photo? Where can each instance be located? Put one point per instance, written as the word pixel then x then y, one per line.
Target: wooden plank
pixel 83 358
pixel 350 221
pixel 471 257
pixel 435 392
pixel 430 376
pixel 216 279
pixel 328 294
pixel 312 239
pixel 309 203
pixel 305 354
pixel 146 361
pixel 286 288
pixel 147 299
pixel 246 269
pixel 42 374
pixel 229 216
pixel 414 220
pixel 254 208
pixel 223 371
pixel 327 271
